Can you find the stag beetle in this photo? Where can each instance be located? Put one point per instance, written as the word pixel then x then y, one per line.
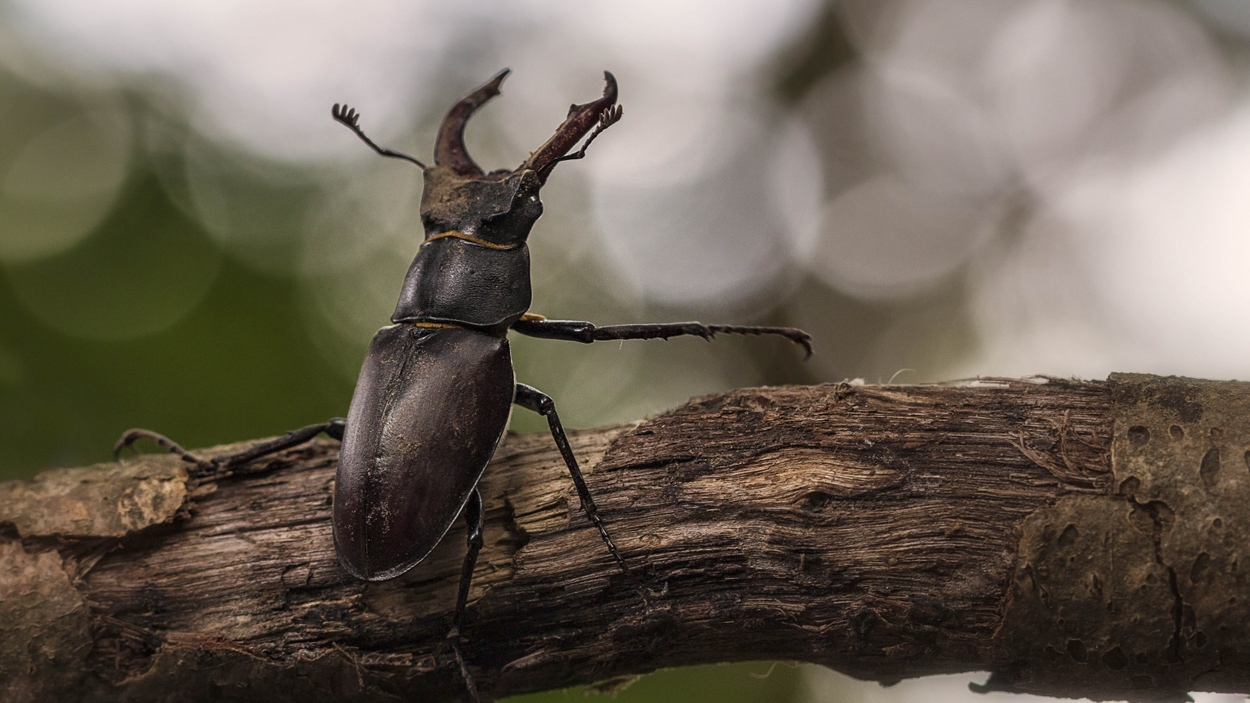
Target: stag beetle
pixel 434 395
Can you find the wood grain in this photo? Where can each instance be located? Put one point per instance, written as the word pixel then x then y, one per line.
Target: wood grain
pixel 872 529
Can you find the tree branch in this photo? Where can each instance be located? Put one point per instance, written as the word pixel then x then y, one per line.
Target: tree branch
pixel 1076 538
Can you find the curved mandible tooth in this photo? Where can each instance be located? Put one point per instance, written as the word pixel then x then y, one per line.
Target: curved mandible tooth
pixel 449 151
pixel 581 119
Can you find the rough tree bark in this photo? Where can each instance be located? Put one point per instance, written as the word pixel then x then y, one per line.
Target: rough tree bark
pixel 1076 538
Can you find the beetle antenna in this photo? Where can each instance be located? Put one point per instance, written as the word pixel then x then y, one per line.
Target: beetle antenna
pixel 607 118
pixel 348 117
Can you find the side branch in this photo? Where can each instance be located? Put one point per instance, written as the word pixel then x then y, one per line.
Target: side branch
pixel 1076 538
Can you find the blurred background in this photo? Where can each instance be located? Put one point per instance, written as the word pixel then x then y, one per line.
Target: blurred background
pixel 934 188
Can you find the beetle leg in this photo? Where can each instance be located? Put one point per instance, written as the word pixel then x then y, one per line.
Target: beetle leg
pixel 129 437
pixel 473 517
pixel 334 428
pixel 574 331
pixel 223 465
pixel 531 398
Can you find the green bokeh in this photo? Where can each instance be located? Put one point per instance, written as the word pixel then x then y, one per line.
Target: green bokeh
pixel 751 682
pixel 237 365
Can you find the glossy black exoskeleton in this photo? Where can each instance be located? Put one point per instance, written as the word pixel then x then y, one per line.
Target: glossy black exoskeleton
pixel 434 393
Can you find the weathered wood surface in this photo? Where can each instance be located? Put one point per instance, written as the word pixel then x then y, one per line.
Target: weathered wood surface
pixel 887 532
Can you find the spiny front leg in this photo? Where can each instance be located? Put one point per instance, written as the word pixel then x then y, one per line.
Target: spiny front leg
pixel 226 465
pixel 473 519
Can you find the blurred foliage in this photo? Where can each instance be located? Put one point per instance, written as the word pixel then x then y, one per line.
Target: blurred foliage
pixel 238 365
pixel 751 682
pixel 823 50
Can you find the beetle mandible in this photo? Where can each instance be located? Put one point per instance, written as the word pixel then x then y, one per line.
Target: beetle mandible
pixel 434 394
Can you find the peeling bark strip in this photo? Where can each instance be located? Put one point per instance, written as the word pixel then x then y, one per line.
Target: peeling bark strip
pixel 888 532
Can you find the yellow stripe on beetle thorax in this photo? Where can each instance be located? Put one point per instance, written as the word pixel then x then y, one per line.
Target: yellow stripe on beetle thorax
pixel 439 325
pixel 454 234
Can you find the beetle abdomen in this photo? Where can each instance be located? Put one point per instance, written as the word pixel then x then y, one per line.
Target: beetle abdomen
pixel 459 281
pixel 429 408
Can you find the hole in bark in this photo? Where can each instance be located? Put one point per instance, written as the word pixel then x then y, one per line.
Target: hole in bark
pixel 927 611
pixel 1115 659
pixel 1217 523
pixel 1076 649
pixel 1210 466
pixel 809 563
pixel 863 621
pixel 1176 431
pixel 816 501
pixel 1199 567
pixel 1246 458
pixel 296 576
pixel 1151 517
pixel 1138 435
pixel 516 536
pixel 1129 485
pixel 1068 537
pixel 1200 639
pixel 1217 432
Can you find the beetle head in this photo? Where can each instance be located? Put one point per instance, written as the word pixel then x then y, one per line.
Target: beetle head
pixel 500 207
